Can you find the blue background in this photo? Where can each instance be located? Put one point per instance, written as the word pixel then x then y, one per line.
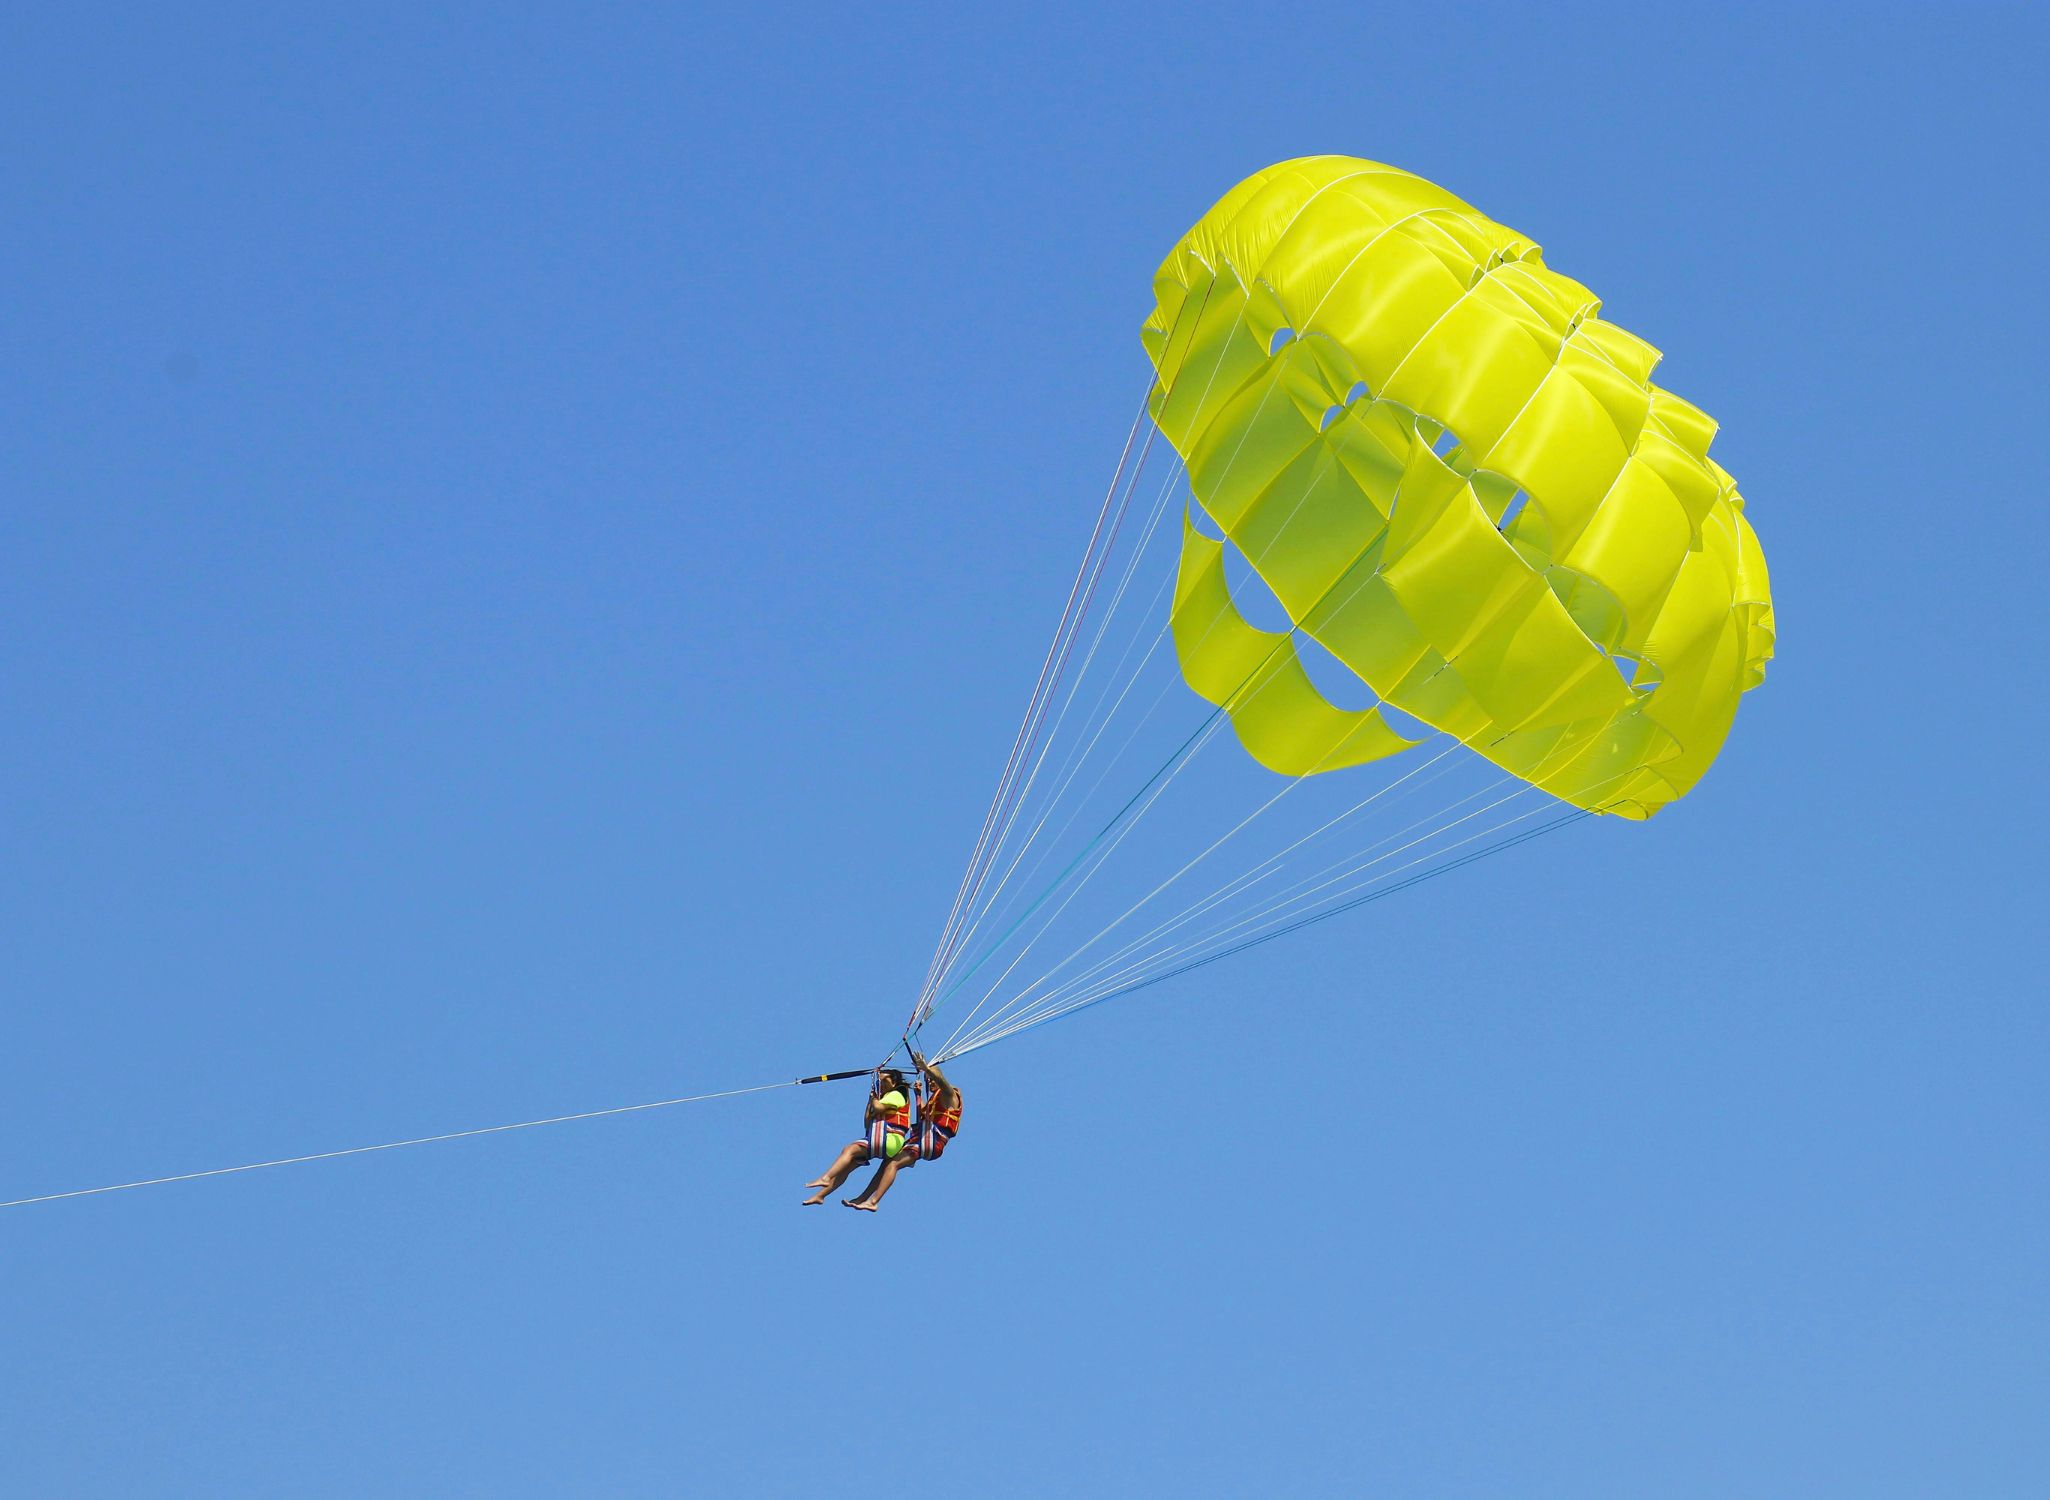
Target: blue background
pixel 525 535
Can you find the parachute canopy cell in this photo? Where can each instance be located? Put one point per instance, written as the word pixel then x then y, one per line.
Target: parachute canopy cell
pixel 1457 480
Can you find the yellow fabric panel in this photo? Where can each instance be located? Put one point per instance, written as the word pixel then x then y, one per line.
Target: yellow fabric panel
pixel 1474 370
pixel 1754 595
pixel 1530 666
pixel 1305 530
pixel 1208 350
pixel 1257 676
pixel 1254 434
pixel 1314 519
pixel 1589 603
pixel 1388 297
pixel 1450 568
pixel 1622 397
pixel 1631 356
pixel 1494 492
pixel 1314 334
pixel 1372 442
pixel 1696 708
pixel 1634 545
pixel 1364 625
pixel 1693 484
pixel 1691 427
pixel 1697 607
pixel 1565 452
pixel 1698 645
pixel 1613 766
pixel 1432 691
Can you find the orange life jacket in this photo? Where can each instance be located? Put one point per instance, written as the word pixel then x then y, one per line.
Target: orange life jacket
pixel 947 1118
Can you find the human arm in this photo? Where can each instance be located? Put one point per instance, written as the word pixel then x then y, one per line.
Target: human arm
pixel 938 1089
pixel 932 1074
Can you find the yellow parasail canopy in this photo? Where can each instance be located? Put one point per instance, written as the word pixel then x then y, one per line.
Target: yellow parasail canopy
pixel 1456 479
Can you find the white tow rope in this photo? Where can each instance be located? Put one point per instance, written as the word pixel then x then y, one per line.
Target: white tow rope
pixel 418 1140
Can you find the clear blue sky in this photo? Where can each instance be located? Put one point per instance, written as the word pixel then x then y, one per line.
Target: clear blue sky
pixel 522 542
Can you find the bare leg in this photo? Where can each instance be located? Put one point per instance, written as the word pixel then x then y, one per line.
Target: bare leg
pixel 845 1162
pixel 861 1199
pixel 879 1184
pixel 852 1155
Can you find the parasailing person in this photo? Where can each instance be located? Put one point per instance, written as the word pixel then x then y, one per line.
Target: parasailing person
pixel 939 1120
pixel 886 1122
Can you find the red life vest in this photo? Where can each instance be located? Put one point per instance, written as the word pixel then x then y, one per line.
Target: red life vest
pixel 947 1119
pixel 897 1122
pixel 936 1126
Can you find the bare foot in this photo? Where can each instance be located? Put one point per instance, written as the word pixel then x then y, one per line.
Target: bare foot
pixel 820 1183
pixel 857 1203
pixel 814 1201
